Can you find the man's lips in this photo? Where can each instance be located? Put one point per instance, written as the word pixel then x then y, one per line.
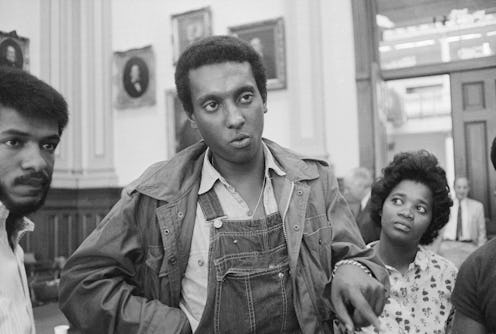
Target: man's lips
pixel 241 141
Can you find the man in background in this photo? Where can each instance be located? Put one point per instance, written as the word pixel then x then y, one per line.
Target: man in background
pixel 32 118
pixel 356 191
pixel 466 229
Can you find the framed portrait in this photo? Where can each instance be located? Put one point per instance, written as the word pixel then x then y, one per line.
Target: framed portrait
pixel 188 27
pixel 182 134
pixel 14 50
pixel 267 38
pixel 134 78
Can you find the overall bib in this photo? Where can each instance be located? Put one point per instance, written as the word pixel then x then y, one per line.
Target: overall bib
pixel 249 287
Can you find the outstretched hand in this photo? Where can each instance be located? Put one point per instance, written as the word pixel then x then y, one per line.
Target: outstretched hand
pixel 358 299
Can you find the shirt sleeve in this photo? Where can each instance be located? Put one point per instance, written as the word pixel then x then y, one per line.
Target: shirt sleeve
pixel 465 295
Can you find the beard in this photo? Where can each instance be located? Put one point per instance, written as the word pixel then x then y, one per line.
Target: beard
pixel 27 206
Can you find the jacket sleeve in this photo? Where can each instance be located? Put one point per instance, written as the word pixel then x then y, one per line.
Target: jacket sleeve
pixel 347 243
pixel 481 225
pixel 99 292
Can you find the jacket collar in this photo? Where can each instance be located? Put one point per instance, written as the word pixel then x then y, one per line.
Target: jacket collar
pixel 170 180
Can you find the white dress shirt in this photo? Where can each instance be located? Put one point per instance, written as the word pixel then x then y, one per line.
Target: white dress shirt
pixel 16 313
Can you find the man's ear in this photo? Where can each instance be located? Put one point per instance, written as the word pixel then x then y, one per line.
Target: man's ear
pixel 192 121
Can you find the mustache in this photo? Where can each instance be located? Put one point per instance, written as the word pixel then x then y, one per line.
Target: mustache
pixel 33 179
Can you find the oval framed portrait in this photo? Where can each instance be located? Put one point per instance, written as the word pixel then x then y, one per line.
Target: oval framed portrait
pixel 135 77
pixel 11 54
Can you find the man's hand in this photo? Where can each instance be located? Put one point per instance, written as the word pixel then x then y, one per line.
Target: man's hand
pixel 357 298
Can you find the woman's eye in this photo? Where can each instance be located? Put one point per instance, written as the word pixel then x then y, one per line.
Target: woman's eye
pixel 397 201
pixel 421 209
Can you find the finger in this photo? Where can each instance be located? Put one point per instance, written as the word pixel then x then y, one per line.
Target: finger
pixel 380 300
pixel 342 314
pixel 364 309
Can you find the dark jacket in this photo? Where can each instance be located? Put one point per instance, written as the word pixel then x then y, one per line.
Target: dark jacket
pixel 126 276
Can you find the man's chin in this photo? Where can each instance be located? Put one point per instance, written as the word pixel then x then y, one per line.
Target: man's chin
pixel 24 207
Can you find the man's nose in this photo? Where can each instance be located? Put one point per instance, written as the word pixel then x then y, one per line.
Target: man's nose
pixel 234 116
pixel 33 158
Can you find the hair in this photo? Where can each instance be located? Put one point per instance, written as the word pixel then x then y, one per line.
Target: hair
pixel 31 97
pixel 215 50
pixel 493 153
pixel 422 167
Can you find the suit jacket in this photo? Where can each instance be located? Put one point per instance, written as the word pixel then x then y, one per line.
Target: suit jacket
pixel 473 222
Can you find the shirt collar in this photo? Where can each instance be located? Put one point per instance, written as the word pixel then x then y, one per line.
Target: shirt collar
pixel 210 175
pixel 421 259
pixel 22 226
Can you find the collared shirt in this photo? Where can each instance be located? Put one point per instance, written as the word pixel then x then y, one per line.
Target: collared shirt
pixel 450 229
pixel 16 313
pixel 419 301
pixel 194 283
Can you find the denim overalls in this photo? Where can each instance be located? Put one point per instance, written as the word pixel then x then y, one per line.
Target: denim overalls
pixel 249 287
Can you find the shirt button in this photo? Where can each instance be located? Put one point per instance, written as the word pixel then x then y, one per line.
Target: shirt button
pixel 296 228
pixel 180 215
pixel 201 262
pixel 217 223
pixel 281 275
pixel 299 192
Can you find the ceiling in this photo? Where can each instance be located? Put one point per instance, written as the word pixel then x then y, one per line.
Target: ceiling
pixel 413 12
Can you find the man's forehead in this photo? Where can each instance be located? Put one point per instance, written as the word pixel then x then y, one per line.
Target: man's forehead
pixel 13 120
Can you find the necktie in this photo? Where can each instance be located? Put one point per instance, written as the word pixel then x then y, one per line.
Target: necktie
pixel 459 227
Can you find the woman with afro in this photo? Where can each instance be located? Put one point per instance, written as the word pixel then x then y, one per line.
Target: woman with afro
pixel 411 203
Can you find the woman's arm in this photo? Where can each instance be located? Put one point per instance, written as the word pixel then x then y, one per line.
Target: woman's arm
pixel 463 324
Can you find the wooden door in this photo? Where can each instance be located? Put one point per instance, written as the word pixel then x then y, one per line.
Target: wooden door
pixel 473 99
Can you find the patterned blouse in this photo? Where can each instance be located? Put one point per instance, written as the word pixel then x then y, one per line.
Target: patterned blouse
pixel 419 301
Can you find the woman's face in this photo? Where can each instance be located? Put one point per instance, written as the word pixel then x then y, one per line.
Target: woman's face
pixel 407 212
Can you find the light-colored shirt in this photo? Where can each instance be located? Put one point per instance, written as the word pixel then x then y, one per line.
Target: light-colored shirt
pixel 419 301
pixel 194 283
pixel 450 229
pixel 16 313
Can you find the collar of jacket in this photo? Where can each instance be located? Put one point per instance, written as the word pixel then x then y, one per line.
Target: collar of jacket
pixel 169 180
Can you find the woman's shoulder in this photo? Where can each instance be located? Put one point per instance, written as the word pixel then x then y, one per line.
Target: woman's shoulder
pixel 439 262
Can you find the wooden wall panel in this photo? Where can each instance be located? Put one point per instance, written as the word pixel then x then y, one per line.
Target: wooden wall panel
pixel 67 218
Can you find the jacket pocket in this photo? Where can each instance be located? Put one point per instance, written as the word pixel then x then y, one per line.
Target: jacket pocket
pixel 155 260
pixel 317 233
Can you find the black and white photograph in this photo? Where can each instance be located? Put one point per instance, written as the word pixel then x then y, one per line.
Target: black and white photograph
pixel 291 166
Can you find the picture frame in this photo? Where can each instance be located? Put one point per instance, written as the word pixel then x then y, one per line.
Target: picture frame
pixel 188 27
pixel 267 37
pixel 14 50
pixel 181 133
pixel 134 78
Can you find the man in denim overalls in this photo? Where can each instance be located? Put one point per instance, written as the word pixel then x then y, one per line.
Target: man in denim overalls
pixel 245 236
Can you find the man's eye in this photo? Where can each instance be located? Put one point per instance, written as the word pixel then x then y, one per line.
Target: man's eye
pixel 13 143
pixel 211 106
pixel 50 147
pixel 246 98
